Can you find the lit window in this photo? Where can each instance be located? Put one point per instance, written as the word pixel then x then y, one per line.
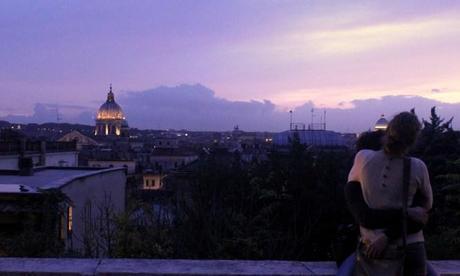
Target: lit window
pixel 69 219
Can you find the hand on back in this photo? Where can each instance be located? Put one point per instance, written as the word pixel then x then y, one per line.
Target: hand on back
pixel 418 214
pixel 376 248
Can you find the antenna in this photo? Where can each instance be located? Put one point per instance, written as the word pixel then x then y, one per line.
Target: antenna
pixel 312 118
pixel 324 119
pixel 290 122
pixel 321 121
pixel 58 116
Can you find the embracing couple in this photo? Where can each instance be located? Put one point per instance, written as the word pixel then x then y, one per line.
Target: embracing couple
pixel 389 195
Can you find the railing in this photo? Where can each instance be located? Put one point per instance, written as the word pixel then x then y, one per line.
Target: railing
pixel 35 266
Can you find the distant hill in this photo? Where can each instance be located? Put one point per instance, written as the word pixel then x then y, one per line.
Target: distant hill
pixel 47 131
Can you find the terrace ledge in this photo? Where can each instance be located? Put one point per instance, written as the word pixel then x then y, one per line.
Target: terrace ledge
pixel 48 266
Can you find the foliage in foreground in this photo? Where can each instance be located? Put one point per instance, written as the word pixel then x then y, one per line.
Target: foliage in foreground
pixel 283 208
pixel 39 229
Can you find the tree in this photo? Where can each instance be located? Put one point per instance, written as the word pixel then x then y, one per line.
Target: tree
pixel 38 235
pixel 438 142
pixel 99 228
pixel 438 146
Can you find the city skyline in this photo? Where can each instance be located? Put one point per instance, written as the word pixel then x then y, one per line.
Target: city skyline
pixel 196 107
pixel 269 56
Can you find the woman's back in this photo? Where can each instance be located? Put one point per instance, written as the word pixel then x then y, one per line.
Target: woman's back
pixel 381 179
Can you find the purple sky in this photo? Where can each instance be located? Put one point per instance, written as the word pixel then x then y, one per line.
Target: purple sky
pixel 287 52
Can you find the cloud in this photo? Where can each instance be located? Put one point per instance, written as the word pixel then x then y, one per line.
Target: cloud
pixel 329 41
pixel 364 113
pixel 47 112
pixel 196 107
pixel 42 113
pixel 359 39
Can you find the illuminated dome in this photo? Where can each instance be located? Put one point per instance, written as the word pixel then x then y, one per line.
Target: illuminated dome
pixel 110 119
pixel 110 110
pixel 381 123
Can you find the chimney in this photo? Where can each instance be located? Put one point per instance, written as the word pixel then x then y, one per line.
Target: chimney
pixel 42 161
pixel 26 166
pixel 22 147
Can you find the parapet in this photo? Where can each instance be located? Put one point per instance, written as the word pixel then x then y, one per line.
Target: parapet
pixel 46 266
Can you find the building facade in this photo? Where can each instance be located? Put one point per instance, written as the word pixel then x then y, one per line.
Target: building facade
pixel 80 139
pixel 41 153
pixel 88 191
pixel 318 138
pixel 152 180
pixel 129 165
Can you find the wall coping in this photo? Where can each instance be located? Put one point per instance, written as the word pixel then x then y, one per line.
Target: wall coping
pixel 65 266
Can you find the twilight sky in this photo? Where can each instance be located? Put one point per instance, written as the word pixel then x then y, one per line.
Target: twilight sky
pixel 279 55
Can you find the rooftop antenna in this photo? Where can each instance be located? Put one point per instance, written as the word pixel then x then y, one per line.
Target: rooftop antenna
pixel 290 124
pixel 312 116
pixel 58 116
pixel 321 121
pixel 324 119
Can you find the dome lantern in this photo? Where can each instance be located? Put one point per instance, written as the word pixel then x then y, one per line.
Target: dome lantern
pixel 110 96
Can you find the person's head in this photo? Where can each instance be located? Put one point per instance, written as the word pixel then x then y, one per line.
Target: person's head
pixel 401 133
pixel 370 140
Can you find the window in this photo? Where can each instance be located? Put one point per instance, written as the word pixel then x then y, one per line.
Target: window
pixel 69 219
pixel 153 182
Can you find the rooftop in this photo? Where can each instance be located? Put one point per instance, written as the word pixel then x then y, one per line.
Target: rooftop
pixel 50 177
pixel 16 189
pixel 15 147
pixel 310 137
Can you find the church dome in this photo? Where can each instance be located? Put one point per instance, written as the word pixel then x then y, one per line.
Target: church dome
pixel 110 110
pixel 381 123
